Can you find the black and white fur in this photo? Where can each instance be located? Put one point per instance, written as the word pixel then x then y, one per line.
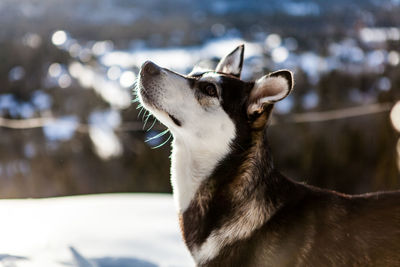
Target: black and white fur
pixel 235 208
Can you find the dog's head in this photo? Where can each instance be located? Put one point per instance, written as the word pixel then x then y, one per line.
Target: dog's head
pixel 212 106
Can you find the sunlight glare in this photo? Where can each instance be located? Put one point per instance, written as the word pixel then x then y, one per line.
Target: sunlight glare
pixel 395 116
pixel 59 38
pixel 127 79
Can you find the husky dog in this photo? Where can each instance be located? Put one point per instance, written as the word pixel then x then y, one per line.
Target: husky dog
pixel 235 208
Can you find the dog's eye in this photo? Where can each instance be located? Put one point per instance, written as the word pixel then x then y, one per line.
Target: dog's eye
pixel 209 89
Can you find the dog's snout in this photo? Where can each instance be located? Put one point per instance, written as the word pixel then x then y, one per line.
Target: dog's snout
pixel 150 68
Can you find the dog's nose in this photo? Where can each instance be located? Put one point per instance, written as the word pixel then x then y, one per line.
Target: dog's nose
pixel 150 68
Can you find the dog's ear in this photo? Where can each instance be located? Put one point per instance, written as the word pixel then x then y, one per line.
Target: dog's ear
pixel 198 69
pixel 232 63
pixel 269 89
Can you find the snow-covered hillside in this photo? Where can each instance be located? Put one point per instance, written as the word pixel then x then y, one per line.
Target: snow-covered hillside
pixel 96 230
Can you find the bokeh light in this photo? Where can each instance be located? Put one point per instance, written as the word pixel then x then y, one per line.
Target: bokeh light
pixel 395 116
pixel 16 73
pixel 127 79
pixel 384 84
pixel 59 38
pixel 394 58
pixel 33 40
pixel 64 81
pixel 273 41
pixel 114 73
pixel 280 54
pixel 55 70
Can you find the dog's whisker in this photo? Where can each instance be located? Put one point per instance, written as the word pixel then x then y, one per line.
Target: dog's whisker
pixel 143 114
pixel 146 112
pixel 146 120
pixel 157 135
pixel 141 110
pixel 152 125
pixel 163 143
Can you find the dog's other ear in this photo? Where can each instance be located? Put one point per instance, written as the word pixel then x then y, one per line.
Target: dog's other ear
pixel 200 68
pixel 232 63
pixel 269 89
pixel 196 70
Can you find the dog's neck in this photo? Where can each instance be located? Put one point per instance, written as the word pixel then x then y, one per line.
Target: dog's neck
pixel 205 194
pixel 191 164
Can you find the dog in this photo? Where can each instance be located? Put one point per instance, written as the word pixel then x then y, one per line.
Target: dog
pixel 235 208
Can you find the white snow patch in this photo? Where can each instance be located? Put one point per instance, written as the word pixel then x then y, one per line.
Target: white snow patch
pixel 120 226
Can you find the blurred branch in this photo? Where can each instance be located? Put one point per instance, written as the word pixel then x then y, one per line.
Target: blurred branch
pixel 338 114
pixel 319 116
pixel 82 128
pixel 26 123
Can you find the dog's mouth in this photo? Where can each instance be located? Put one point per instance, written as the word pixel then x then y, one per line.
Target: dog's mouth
pixel 151 96
pixel 152 105
pixel 175 120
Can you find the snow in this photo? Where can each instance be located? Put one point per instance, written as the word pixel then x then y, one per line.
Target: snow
pixel 16 73
pixel 7 102
pixel 41 100
pixel 94 230
pixel 62 128
pixel 108 118
pixel 284 107
pixel 105 141
pixel 310 100
pixel 178 58
pixel 302 9
pixel 101 132
pixel 379 35
pixel 15 108
pixel 111 91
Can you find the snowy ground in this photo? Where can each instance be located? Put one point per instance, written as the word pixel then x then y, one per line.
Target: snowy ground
pixel 97 230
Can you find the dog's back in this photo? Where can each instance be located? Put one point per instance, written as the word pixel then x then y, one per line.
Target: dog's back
pixel 323 228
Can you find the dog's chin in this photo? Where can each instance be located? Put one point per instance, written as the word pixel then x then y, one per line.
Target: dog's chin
pixel 175 120
pixel 165 117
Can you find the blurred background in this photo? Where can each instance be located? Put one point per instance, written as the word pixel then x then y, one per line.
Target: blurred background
pixel 67 69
